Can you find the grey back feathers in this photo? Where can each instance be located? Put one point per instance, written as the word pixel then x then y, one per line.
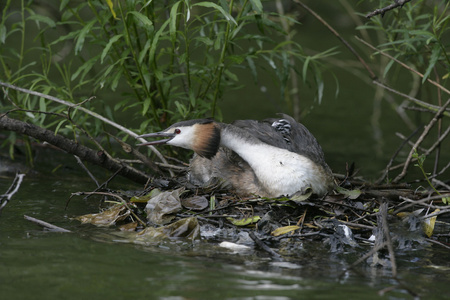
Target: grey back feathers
pixel 285 133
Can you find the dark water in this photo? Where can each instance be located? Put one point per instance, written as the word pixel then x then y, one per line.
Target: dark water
pixel 40 264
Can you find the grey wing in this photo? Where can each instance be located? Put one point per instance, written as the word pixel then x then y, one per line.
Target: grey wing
pixel 285 133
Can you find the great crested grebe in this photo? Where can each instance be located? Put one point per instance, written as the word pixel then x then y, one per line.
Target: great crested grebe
pixel 269 158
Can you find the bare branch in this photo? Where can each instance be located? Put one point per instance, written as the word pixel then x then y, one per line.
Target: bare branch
pixel 421 138
pixel 385 226
pixel 87 111
pixel 46 225
pixel 353 51
pixel 382 11
pixel 96 157
pixel 11 190
pixel 403 65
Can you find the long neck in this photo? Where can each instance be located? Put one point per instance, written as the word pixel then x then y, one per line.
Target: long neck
pixel 240 141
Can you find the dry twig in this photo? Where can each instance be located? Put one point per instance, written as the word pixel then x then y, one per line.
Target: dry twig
pixel 382 11
pixel 87 111
pixel 420 139
pixel 347 44
pixel 406 67
pixel 46 225
pixel 14 187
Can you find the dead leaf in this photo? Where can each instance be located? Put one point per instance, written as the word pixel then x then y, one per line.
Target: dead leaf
pixel 128 227
pixel 160 208
pixel 195 203
pixel 145 198
pixel 185 228
pixel 299 196
pixel 351 194
pixel 428 224
pixel 107 217
pixel 283 230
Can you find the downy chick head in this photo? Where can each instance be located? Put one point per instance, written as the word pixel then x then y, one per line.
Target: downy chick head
pixel 201 135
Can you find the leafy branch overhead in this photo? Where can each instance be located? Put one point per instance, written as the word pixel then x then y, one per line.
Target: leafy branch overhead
pixel 170 61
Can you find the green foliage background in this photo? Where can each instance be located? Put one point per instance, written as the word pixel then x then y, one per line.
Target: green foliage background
pixel 176 59
pixel 163 61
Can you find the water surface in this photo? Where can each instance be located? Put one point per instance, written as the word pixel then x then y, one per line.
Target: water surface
pixel 39 264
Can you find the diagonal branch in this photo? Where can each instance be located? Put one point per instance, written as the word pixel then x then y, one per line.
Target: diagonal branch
pixel 382 11
pixel 403 65
pixel 421 138
pixel 87 111
pixel 96 157
pixel 346 44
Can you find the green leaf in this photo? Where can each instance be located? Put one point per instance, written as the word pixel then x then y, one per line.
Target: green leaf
pixel 144 51
pixel 108 46
pixel 244 221
pixel 63 4
pixel 388 67
pixel 155 42
pixel 238 59
pixel 42 105
pixel 205 40
pixel 145 198
pixel 217 7
pixel 173 21
pixel 192 98
pixel 320 86
pixel 84 68
pixel 2 33
pixel 305 68
pixel 435 53
pixel 251 64
pixel 257 6
pixel 71 35
pixel 59 126
pixel 181 109
pixel 43 19
pixel 115 81
pixel 145 106
pixel 82 35
pixel 351 194
pixel 142 18
pixel 299 197
pixel 231 75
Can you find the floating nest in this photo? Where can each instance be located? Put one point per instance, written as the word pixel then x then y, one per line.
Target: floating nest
pixel 380 218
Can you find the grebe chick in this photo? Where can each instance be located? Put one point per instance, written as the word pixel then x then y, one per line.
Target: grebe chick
pixel 268 158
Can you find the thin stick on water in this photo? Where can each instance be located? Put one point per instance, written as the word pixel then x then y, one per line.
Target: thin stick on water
pixel 46 225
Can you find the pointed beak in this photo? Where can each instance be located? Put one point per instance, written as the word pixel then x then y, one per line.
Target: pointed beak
pixel 169 136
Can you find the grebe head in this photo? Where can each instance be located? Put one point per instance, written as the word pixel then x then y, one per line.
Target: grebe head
pixel 201 135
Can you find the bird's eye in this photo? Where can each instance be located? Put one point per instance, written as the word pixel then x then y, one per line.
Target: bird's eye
pixel 177 131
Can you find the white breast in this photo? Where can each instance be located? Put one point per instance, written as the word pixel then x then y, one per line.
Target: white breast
pixel 280 171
